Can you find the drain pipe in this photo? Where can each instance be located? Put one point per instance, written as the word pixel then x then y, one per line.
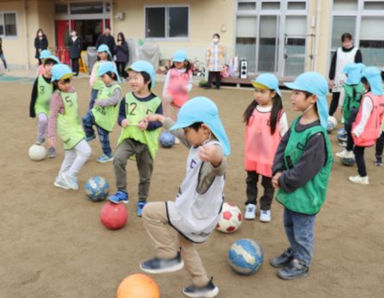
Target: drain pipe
pixel 317 35
pixel 28 66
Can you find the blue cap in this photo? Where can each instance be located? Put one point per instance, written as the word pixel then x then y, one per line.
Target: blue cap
pixel 179 56
pixel 202 109
pixel 108 66
pixel 61 72
pixel 44 54
pixel 104 48
pixel 354 73
pixel 267 81
pixel 53 58
pixel 145 66
pixel 314 83
pixel 373 76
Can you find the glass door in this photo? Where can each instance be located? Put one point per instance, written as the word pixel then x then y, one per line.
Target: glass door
pixel 268 44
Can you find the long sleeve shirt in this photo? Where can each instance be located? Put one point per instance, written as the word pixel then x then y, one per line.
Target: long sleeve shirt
pixel 34 96
pixel 283 122
pixel 332 69
pixel 366 110
pixel 167 79
pixel 309 164
pixel 114 99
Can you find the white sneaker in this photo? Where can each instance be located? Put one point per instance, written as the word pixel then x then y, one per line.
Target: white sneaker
pixel 265 215
pixel 71 181
pixel 342 153
pixel 177 141
pixel 250 211
pixel 358 179
pixel 59 182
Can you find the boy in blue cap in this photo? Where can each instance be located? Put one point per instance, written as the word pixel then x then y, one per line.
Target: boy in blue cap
pixel 139 138
pixel 301 171
pixel 195 212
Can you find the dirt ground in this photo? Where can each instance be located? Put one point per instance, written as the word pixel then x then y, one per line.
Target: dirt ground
pixel 52 243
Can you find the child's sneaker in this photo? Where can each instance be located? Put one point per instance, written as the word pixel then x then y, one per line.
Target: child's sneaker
pixel 283 260
pixel 379 161
pixel 40 141
pixel 90 138
pixel 71 181
pixel 342 153
pixel 104 158
pixel 119 197
pixel 210 290
pixel 159 265
pixel 60 182
pixel 250 211
pixel 295 269
pixel 52 152
pixel 265 215
pixel 140 206
pixel 358 179
pixel 177 141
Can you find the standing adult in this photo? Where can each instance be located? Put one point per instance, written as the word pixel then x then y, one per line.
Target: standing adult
pixel 106 38
pixel 75 45
pixel 122 54
pixel 2 57
pixel 347 53
pixel 215 60
pixel 41 43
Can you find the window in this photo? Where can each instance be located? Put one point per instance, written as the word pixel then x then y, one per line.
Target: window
pixel 8 24
pixel 166 22
pixel 349 5
pixel 371 40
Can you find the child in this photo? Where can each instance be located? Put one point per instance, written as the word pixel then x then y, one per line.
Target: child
pixel 95 82
pixel 105 110
pixel 178 83
pixel 138 138
pixel 195 212
pixel 350 99
pixel 40 100
pixel 266 123
pixel 301 170
pixel 64 112
pixel 366 129
pixel 43 55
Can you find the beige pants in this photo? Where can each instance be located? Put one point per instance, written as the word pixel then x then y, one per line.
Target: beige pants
pixel 167 242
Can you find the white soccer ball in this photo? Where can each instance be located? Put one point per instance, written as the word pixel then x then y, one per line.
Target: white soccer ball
pixel 332 122
pixel 37 152
pixel 230 218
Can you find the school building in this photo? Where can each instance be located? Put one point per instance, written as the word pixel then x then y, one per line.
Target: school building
pixel 284 37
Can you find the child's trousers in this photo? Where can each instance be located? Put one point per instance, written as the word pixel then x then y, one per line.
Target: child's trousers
pixel 75 159
pixel 167 244
pixel 266 182
pixel 144 162
pixel 42 125
pixel 380 145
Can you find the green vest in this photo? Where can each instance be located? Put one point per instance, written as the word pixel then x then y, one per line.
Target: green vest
pixel 136 110
pixel 68 124
pixel 44 93
pixel 106 117
pixel 350 101
pixel 309 198
pixel 98 82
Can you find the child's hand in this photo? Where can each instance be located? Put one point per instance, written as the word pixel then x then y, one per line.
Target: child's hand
pixel 275 179
pixel 211 153
pixel 143 124
pixel 52 142
pixel 124 123
pixel 154 117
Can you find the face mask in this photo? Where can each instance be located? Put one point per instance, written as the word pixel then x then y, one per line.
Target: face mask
pixel 73 34
pixel 215 40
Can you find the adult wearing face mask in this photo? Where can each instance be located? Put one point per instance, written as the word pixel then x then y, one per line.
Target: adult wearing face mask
pixel 122 54
pixel 108 39
pixel 75 45
pixel 41 43
pixel 215 60
pixel 344 55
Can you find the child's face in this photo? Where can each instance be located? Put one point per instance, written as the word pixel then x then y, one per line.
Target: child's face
pixel 48 68
pixel 64 85
pixel 106 79
pixel 197 138
pixel 179 65
pixel 103 55
pixel 300 102
pixel 263 97
pixel 136 82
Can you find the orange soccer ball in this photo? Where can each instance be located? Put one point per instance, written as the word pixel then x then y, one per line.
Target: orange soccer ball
pixel 138 286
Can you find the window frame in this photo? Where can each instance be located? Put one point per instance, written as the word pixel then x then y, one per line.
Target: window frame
pixel 167 37
pixel 4 36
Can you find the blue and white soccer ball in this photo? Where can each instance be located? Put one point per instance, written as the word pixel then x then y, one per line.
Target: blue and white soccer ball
pixel 332 122
pixel 166 139
pixel 97 188
pixel 341 135
pixel 245 256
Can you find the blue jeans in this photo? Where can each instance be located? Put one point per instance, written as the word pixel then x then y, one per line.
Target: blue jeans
pixel 299 231
pixel 2 57
pixel 94 93
pixel 88 123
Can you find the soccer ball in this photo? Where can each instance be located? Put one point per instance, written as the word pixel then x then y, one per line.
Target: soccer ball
pixel 332 122
pixel 37 152
pixel 341 135
pixel 166 139
pixel 230 218
pixel 349 162
pixel 245 256
pixel 113 216
pixel 97 188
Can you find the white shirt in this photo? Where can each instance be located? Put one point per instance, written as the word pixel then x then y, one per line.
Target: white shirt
pixel 366 110
pixel 283 123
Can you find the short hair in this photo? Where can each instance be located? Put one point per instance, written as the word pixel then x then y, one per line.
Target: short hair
pixel 108 27
pixel 346 36
pixel 196 125
pixel 147 78
pixel 216 35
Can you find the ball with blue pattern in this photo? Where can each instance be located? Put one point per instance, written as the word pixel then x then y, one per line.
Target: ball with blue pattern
pixel 166 139
pixel 245 256
pixel 97 188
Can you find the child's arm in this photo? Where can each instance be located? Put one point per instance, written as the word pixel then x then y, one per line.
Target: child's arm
pixel 56 107
pixel 122 118
pixel 283 124
pixel 278 161
pixel 310 163
pixel 341 98
pixel 93 76
pixel 366 110
pixel 113 100
pixel 33 99
pixel 190 82
pixel 166 83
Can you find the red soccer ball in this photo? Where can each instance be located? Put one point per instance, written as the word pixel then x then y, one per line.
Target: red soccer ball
pixel 113 216
pixel 230 218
